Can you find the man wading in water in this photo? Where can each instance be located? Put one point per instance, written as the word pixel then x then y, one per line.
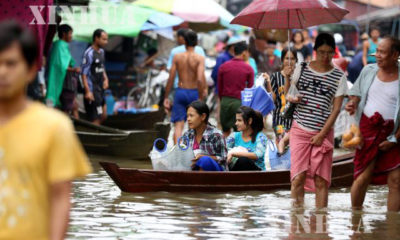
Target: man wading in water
pixel 192 86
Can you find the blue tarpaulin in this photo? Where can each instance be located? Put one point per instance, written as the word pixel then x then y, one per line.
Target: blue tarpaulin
pixel 159 20
pixel 164 20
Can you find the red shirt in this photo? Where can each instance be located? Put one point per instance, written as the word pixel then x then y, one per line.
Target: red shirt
pixel 234 76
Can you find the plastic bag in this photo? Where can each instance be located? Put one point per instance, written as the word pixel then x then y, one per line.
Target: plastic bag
pixel 259 82
pixel 178 158
pixel 158 154
pixel 293 94
pixel 342 122
pixel 351 138
pixel 277 162
pixel 258 99
pixel 238 149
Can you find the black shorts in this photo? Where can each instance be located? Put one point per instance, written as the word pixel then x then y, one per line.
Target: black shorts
pixel 93 111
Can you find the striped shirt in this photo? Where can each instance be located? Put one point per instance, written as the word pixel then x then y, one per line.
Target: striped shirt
pixel 319 91
pixel 278 85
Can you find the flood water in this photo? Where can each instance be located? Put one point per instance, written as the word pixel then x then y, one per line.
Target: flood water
pixel 101 211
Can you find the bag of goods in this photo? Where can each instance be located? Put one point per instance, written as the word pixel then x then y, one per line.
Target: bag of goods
pixel 352 138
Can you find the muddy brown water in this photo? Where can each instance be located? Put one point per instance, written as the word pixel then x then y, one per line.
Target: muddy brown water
pixel 101 211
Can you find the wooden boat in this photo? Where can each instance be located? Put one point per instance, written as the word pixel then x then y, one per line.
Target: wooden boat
pixel 135 121
pixel 136 180
pixel 135 144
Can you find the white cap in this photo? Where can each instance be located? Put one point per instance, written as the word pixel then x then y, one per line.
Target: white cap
pixel 338 38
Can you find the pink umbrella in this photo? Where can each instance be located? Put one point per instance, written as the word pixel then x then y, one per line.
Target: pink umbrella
pixel 286 14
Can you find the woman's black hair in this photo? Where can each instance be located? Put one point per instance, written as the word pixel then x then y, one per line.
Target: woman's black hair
pixel 285 51
pixel 374 28
pixel 324 38
pixel 201 108
pixel 298 32
pixel 257 124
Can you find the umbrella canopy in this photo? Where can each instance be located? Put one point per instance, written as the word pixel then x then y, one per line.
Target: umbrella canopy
pixel 285 14
pixel 202 15
pixel 122 19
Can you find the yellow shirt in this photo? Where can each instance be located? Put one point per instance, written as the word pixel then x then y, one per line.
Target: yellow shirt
pixel 38 148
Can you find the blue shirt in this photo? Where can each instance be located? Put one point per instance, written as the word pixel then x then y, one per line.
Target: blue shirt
pixel 258 147
pixel 372 49
pixel 277 53
pixel 221 59
pixel 253 65
pixel 355 67
pixel 181 49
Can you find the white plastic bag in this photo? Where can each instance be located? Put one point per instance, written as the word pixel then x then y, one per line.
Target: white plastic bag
pixel 293 94
pixel 232 160
pixel 158 155
pixel 259 81
pixel 178 158
pixel 342 122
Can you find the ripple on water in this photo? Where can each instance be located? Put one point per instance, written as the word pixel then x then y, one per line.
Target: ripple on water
pixel 101 211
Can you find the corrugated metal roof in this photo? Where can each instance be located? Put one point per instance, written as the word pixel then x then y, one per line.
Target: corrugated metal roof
pixel 380 3
pixel 380 14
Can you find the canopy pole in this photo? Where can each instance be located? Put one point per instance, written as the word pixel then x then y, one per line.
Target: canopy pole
pixel 368 13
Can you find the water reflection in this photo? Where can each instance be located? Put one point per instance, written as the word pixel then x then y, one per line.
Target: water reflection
pixel 102 211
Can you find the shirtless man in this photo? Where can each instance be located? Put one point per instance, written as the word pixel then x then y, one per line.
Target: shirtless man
pixel 192 82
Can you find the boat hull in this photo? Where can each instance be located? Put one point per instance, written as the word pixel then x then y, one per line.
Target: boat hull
pixel 142 121
pixel 135 180
pixel 135 144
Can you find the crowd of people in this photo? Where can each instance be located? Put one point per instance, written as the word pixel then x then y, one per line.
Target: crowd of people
pixel 308 133
pixel 38 148
pixel 239 142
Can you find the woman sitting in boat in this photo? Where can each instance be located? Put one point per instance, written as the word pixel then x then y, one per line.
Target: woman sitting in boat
pixel 206 141
pixel 247 147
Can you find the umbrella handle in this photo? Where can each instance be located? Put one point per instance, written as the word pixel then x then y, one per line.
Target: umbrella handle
pixel 288 38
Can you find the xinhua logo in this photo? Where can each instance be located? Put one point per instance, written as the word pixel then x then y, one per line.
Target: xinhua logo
pixel 317 224
pixel 82 15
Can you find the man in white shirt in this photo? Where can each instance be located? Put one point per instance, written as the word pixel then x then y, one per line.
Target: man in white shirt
pixel 375 98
